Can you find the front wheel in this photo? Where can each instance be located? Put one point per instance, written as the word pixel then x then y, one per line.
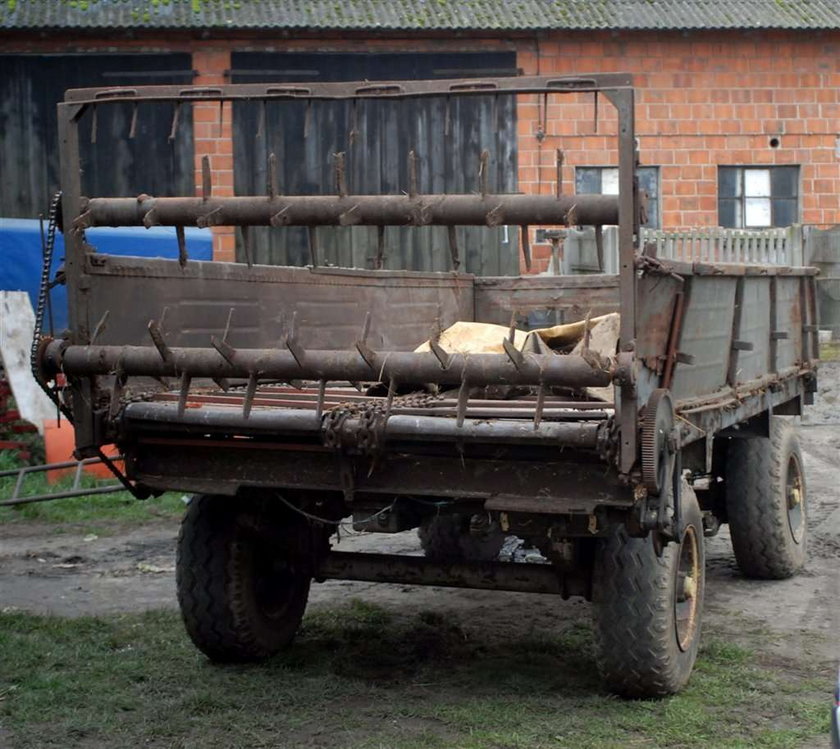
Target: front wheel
pixel 648 608
pixel 242 576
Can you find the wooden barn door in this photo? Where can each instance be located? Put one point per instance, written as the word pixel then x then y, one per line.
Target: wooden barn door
pixel 376 137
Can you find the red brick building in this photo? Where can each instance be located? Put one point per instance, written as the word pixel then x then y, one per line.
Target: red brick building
pixel 738 102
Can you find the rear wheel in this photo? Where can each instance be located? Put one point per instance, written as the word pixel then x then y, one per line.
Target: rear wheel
pixel 242 576
pixel 648 608
pixel 766 503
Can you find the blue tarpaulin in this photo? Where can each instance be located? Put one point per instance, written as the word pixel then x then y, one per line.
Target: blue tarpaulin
pixel 20 255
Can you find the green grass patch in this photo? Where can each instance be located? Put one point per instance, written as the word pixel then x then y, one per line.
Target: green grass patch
pixel 360 676
pixel 89 510
pixel 830 351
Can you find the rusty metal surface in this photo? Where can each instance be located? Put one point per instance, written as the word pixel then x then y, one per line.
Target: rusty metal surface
pixel 525 578
pixel 351 210
pixel 330 303
pixel 558 298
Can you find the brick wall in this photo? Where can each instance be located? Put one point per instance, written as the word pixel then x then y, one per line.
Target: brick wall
pixel 704 99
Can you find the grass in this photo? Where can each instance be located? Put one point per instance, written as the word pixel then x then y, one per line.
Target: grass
pixel 360 676
pixel 94 511
pixel 830 351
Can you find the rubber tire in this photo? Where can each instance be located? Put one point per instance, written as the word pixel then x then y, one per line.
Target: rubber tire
pixel 638 653
pixel 222 582
pixel 446 537
pixel 756 503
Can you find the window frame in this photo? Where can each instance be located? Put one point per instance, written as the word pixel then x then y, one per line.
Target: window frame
pixel 601 168
pixel 740 198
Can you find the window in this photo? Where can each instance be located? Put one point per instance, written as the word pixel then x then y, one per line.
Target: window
pixel 753 197
pixel 603 180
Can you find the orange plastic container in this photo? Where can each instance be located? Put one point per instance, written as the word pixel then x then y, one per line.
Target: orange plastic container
pixel 59 443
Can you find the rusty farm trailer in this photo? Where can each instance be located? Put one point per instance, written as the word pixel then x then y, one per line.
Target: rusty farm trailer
pixel 289 398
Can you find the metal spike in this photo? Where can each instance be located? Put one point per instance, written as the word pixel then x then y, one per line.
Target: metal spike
pixel 183 393
pixel 596 111
pixel 156 335
pixel 512 327
pixel 250 392
pixel 599 246
pixel 94 123
pixel 463 398
pixel 442 356
pixel 412 174
pixel 365 351
pixel 307 118
pixel 221 116
pixel 354 121
pixel 132 128
pixel 322 396
pixel 116 392
pixel 340 176
pixel 538 408
pixel 514 354
pixel 182 246
pixel 100 326
pixel 290 341
pixel 271 177
pixel 389 402
pixel 151 219
pixel 176 119
pixel 206 181
pixel 227 351
pixel 222 383
pixel 526 246
pixel 227 324
pixel 483 172
pixel 453 247
pixel 447 115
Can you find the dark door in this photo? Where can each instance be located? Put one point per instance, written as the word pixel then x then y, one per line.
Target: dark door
pixel 112 164
pixel 376 137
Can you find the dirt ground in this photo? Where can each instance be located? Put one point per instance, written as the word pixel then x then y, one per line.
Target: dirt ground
pixel 75 573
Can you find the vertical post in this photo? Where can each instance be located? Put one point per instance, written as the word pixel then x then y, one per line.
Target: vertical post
pixel 623 100
pixel 70 175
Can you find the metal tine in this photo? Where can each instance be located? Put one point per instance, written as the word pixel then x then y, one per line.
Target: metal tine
pixel 587 332
pixel 183 257
pixel 389 402
pixel 116 393
pixel 560 159
pixel 222 383
pixel 261 120
pixel 509 343
pixel 494 113
pixel 379 260
pixel 227 351
pixel 250 392
pixel 100 326
pixel 599 246
pixel 412 174
pixel 365 351
pixel 221 116
pixel 94 122
pixel 322 396
pixel 526 246
pixel 77 475
pixel 291 342
pixel 483 172
pixel 312 234
pixel 206 181
pixel 271 177
pixel 453 247
pixel 596 111
pixel 183 393
pixel 132 128
pixel 176 119
pixel 340 175
pixel 248 244
pixel 227 324
pixel 538 408
pixel 156 334
pixel 512 327
pixel 463 399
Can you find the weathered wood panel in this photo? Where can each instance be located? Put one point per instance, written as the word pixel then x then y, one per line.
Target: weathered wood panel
pixel 30 88
pixel 376 137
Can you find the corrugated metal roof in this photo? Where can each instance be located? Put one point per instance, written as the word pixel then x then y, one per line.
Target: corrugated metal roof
pixel 478 15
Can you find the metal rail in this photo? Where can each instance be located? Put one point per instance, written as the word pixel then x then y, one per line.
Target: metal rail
pixel 76 489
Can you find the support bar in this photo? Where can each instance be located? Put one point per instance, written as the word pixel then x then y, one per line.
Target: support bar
pixel 477 369
pixel 357 210
pixel 390 568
